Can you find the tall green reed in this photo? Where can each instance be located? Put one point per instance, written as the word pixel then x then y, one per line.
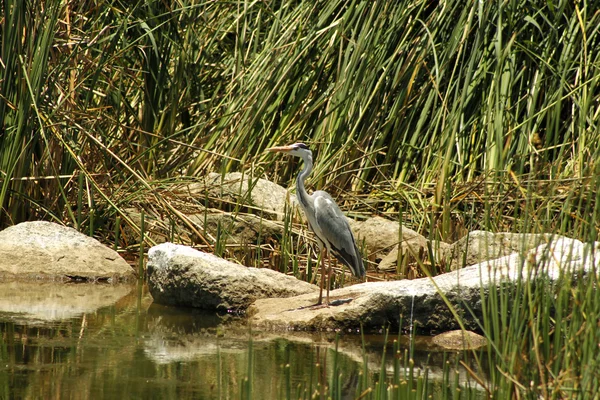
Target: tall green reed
pixel 27 38
pixel 408 100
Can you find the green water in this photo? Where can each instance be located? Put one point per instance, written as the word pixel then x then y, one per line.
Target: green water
pixel 106 342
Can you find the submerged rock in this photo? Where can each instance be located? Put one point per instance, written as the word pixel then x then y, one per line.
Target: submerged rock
pixel 419 301
pixel 181 276
pixel 39 249
pixel 460 340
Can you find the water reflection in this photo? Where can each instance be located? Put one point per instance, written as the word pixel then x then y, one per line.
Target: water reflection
pixel 45 301
pixel 89 341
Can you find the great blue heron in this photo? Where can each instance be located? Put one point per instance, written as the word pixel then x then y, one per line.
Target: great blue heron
pixel 325 219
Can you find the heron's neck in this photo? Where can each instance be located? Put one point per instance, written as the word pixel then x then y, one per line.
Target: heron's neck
pixel 303 197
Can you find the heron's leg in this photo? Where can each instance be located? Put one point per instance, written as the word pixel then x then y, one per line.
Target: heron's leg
pixel 328 274
pixel 322 280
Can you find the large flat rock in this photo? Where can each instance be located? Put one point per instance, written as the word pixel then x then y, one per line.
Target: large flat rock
pixel 39 249
pixel 418 302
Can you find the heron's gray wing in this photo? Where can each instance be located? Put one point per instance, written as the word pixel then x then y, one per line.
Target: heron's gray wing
pixel 334 229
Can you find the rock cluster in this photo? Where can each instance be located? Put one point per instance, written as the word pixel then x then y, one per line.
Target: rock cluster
pixel 478 263
pixel 181 276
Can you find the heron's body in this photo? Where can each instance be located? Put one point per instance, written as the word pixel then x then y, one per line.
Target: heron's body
pixel 333 232
pixel 325 219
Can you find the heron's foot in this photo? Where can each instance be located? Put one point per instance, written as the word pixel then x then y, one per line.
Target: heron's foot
pixel 326 304
pixel 315 306
pixel 339 302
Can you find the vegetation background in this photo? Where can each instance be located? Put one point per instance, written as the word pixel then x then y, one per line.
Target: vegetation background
pixel 448 115
pixel 459 114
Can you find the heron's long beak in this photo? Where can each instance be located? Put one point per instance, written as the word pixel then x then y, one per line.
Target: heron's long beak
pixel 280 148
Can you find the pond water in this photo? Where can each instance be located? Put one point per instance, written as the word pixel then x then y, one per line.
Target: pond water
pixel 85 341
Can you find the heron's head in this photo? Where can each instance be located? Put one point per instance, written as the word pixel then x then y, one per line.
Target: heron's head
pixel 296 149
